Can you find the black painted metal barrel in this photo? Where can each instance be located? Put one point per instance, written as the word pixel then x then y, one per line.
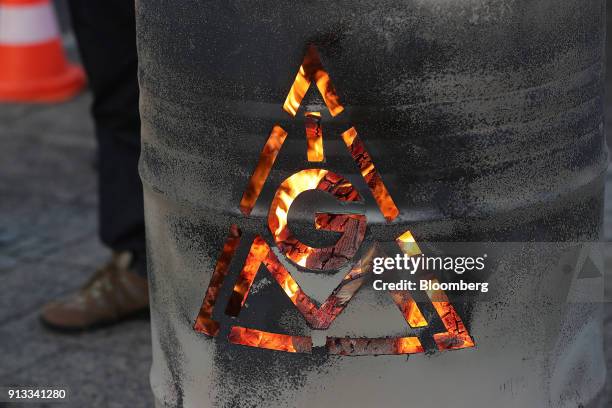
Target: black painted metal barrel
pixel 282 139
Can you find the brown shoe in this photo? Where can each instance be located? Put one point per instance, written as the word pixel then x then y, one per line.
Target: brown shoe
pixel 112 294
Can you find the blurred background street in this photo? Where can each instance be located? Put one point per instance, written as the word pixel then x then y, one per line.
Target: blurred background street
pixel 49 246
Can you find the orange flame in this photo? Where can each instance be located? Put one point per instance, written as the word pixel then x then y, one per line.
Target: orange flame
pixel 370 175
pixel 409 308
pixel 259 251
pixel 288 191
pixel 298 252
pixel 408 345
pixel 285 280
pixel 262 170
pixel 312 69
pixel 297 92
pixel 204 322
pixel 456 336
pixel 314 137
pixel 317 317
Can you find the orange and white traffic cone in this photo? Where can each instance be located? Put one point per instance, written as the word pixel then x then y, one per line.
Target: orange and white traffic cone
pixel 33 67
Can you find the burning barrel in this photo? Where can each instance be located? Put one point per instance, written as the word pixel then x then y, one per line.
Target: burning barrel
pixel 286 144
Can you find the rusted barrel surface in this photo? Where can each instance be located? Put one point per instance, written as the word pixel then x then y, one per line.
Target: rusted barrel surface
pixel 483 119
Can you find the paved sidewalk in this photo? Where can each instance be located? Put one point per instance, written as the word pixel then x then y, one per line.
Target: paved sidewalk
pixel 48 246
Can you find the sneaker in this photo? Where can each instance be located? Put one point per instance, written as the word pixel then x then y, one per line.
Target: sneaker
pixel 114 293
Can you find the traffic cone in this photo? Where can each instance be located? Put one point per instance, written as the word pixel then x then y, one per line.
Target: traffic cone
pixel 33 67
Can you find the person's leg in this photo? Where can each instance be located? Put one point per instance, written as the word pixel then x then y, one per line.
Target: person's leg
pixel 106 36
pixel 105 30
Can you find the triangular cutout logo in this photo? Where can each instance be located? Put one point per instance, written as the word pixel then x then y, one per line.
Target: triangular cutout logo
pixel 311 71
pixel 351 226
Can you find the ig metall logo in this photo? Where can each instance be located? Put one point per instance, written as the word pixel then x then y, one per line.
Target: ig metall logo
pixel 263 257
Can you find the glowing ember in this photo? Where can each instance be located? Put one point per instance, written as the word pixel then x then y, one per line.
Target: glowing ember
pixel 259 251
pixel 317 317
pixel 314 137
pixel 409 308
pixel 312 69
pixel 285 195
pixel 204 322
pixel 408 345
pixel 347 346
pixel 456 336
pixel 352 228
pixel 370 175
pixel 323 316
pixel 270 341
pixel 266 161
pixel 298 90
pixel 352 225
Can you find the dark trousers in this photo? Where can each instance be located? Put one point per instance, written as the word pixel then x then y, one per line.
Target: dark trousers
pixel 106 34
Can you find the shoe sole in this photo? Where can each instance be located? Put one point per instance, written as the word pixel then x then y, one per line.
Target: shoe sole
pixel 140 315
